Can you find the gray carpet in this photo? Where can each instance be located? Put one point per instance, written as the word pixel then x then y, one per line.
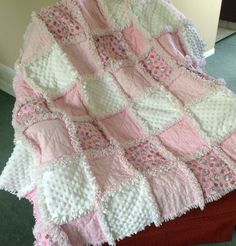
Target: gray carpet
pixel 16 220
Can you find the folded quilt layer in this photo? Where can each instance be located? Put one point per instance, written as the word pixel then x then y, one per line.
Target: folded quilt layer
pixel 117 126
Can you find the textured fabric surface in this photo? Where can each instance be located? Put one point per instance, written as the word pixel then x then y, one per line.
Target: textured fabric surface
pixel 120 127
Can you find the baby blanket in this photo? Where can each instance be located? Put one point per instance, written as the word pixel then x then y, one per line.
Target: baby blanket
pixel 117 126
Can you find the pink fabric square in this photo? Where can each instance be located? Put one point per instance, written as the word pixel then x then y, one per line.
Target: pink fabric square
pixel 93 15
pixel 52 138
pixel 156 66
pixel 60 21
pixel 123 127
pixel 85 231
pixel 173 193
pixel 182 138
pixel 82 57
pixel 132 82
pixel 214 175
pixel 110 171
pixel 22 88
pixel 229 146
pixel 187 88
pixel 110 47
pixel 144 156
pixel 136 40
pixel 90 136
pixel 172 45
pixel 71 103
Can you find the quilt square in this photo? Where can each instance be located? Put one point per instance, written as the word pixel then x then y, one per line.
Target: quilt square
pixel 52 71
pixel 110 171
pixel 229 146
pixel 110 48
pixel 123 127
pixel 139 83
pixel 156 110
pixel 156 66
pixel 66 190
pixel 129 209
pixel 182 138
pixel 214 175
pixel 102 95
pixel 52 138
pixel 217 113
pixel 60 22
pixel 187 88
pixel 90 136
pixel 145 156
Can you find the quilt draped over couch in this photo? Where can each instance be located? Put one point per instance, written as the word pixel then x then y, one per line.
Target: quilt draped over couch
pixel 117 126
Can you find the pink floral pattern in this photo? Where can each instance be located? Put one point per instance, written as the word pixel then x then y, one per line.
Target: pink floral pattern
pixel 156 66
pixel 28 110
pixel 214 175
pixel 91 136
pixel 60 22
pixel 110 48
pixel 144 156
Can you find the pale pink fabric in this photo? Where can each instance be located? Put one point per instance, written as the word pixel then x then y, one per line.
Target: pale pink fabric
pixel 138 85
pixel 229 146
pixel 182 138
pixel 93 15
pixel 110 171
pixel 123 127
pixel 187 88
pixel 71 102
pixel 22 88
pixel 214 175
pixel 173 193
pixel 171 43
pixel 82 52
pixel 52 138
pixel 136 40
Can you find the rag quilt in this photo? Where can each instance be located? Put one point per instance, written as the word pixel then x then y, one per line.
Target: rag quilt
pixel 117 126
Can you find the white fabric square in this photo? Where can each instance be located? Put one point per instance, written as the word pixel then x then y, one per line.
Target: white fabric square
pixel 66 190
pixel 102 95
pixel 16 176
pixel 52 71
pixel 157 110
pixel 155 16
pixel 217 113
pixel 129 209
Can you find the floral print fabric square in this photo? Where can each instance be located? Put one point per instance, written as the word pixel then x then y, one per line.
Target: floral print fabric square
pixel 110 48
pixel 145 156
pixel 90 136
pixel 60 22
pixel 214 175
pixel 156 66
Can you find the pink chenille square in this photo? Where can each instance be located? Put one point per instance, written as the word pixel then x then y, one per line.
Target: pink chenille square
pixel 90 136
pixel 82 57
pixel 71 103
pixel 187 88
pixel 110 171
pixel 123 127
pixel 229 146
pixel 213 174
pixel 182 138
pixel 132 81
pixel 51 137
pixel 136 40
